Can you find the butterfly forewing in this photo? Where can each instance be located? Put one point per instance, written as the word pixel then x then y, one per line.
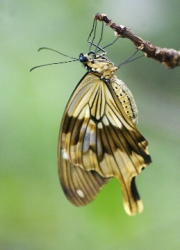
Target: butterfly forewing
pixel 99 141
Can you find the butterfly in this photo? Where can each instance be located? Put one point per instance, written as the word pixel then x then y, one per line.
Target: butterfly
pixel 98 137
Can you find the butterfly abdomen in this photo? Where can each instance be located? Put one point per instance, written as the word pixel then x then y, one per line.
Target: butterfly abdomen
pixel 126 98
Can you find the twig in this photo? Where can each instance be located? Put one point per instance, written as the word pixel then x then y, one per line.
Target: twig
pixel 168 57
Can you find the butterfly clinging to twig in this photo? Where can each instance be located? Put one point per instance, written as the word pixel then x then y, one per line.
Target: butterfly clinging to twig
pixel 98 137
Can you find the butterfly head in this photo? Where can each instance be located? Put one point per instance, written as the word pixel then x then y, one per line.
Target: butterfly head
pixel 98 63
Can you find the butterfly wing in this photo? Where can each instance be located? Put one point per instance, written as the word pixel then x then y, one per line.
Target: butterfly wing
pixel 79 186
pixel 98 141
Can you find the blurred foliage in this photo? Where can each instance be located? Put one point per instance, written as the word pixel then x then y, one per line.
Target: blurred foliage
pixel 34 213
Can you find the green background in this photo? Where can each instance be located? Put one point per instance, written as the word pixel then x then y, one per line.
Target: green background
pixel 34 213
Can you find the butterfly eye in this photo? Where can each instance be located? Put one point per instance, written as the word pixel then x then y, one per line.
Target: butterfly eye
pixel 83 58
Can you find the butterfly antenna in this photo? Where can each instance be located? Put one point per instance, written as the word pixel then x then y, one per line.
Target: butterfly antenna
pixel 73 58
pixel 56 52
pixel 48 64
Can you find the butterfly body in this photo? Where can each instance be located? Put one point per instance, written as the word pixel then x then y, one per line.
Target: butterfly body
pixel 99 139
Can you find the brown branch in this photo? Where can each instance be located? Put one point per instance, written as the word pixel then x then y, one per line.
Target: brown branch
pixel 168 57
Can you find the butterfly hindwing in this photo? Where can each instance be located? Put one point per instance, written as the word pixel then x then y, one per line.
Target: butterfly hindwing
pixel 80 186
pixel 99 141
